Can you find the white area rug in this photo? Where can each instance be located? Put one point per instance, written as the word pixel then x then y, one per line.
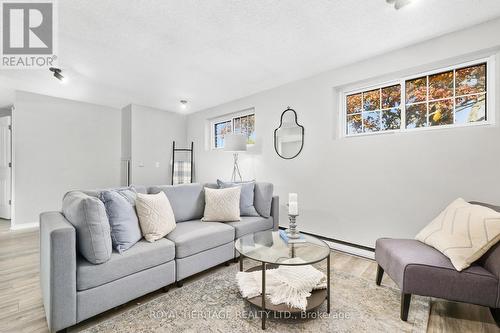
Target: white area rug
pixel 214 304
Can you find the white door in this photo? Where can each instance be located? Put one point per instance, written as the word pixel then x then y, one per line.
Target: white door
pixel 5 167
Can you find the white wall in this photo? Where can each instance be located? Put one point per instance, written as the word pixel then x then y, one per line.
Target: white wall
pixel 360 189
pixel 60 145
pixel 126 135
pixel 152 134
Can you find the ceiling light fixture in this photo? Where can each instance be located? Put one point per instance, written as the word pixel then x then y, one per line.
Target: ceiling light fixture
pixel 398 4
pixel 183 104
pixel 57 74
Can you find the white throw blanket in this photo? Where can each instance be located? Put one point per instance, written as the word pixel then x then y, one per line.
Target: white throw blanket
pixel 286 284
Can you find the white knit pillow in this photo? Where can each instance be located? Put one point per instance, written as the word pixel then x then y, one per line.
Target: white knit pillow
pixel 222 205
pixel 156 216
pixel 463 232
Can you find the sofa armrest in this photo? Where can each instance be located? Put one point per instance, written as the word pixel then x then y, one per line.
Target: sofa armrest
pixel 275 212
pixel 58 270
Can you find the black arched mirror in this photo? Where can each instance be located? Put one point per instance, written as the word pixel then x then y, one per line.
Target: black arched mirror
pixel 289 136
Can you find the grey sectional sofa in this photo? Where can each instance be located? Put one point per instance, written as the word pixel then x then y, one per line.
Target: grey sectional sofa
pixel 74 289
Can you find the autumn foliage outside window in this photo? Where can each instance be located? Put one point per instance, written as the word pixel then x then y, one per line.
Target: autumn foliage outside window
pixel 456 96
pixel 374 110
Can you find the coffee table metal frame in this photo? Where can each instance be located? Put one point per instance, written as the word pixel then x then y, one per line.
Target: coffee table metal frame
pixel 263 267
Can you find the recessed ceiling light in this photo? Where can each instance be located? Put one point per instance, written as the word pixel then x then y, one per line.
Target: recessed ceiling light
pixel 57 74
pixel 184 104
pixel 398 4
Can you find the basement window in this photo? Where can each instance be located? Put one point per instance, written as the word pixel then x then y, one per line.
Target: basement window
pixel 456 96
pixel 239 123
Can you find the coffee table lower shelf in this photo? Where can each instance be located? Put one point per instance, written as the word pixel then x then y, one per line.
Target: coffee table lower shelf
pixel 313 302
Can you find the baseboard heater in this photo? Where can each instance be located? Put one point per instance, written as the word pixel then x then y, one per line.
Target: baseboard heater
pixel 343 246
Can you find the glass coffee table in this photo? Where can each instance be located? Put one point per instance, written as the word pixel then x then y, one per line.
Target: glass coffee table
pixel 268 248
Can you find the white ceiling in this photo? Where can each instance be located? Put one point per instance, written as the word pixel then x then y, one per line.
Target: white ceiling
pixel 158 52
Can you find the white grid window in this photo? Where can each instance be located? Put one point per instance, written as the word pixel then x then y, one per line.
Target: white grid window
pixel 455 96
pixel 241 123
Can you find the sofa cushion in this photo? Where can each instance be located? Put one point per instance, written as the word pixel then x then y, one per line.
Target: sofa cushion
pixel 246 197
pixel 141 256
pixel 420 269
pixel 120 208
pixel 88 215
pixel 195 236
pixel 97 192
pixel 263 197
pixel 249 224
pixel 187 200
pixel 222 205
pixel 463 232
pixel 155 215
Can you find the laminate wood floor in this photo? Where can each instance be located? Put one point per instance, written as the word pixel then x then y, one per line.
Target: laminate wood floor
pixel 21 308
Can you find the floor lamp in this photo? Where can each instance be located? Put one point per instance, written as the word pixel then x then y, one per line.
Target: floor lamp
pixel 235 143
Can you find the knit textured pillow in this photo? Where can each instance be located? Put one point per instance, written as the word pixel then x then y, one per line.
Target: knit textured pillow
pixel 222 205
pixel 156 216
pixel 463 232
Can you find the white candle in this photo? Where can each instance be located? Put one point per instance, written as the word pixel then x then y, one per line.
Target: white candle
pixel 293 208
pixel 292 197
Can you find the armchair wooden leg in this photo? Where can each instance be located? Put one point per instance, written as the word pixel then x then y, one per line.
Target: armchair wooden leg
pixel 179 284
pixel 496 315
pixel 380 273
pixel 165 289
pixel 405 306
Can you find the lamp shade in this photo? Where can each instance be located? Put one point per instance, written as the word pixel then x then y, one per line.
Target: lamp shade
pixel 235 143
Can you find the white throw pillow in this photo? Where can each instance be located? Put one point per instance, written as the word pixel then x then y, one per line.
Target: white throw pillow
pixel 156 216
pixel 463 232
pixel 222 205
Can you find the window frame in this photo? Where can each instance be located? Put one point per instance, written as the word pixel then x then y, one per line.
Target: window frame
pixel 229 118
pixel 490 99
pixel 214 136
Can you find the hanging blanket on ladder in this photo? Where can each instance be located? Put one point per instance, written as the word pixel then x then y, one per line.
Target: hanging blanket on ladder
pixel 182 172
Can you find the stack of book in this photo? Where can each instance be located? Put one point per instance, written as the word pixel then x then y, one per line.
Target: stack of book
pixel 284 236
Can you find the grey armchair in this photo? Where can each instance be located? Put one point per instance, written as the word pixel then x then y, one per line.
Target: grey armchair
pixel 419 269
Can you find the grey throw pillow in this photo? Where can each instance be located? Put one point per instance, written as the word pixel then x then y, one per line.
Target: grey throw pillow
pixel 120 208
pixel 187 200
pixel 246 197
pixel 88 215
pixel 263 198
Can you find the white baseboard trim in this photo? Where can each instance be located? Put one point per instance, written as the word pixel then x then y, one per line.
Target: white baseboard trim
pixel 24 226
pixel 346 248
pixel 351 250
